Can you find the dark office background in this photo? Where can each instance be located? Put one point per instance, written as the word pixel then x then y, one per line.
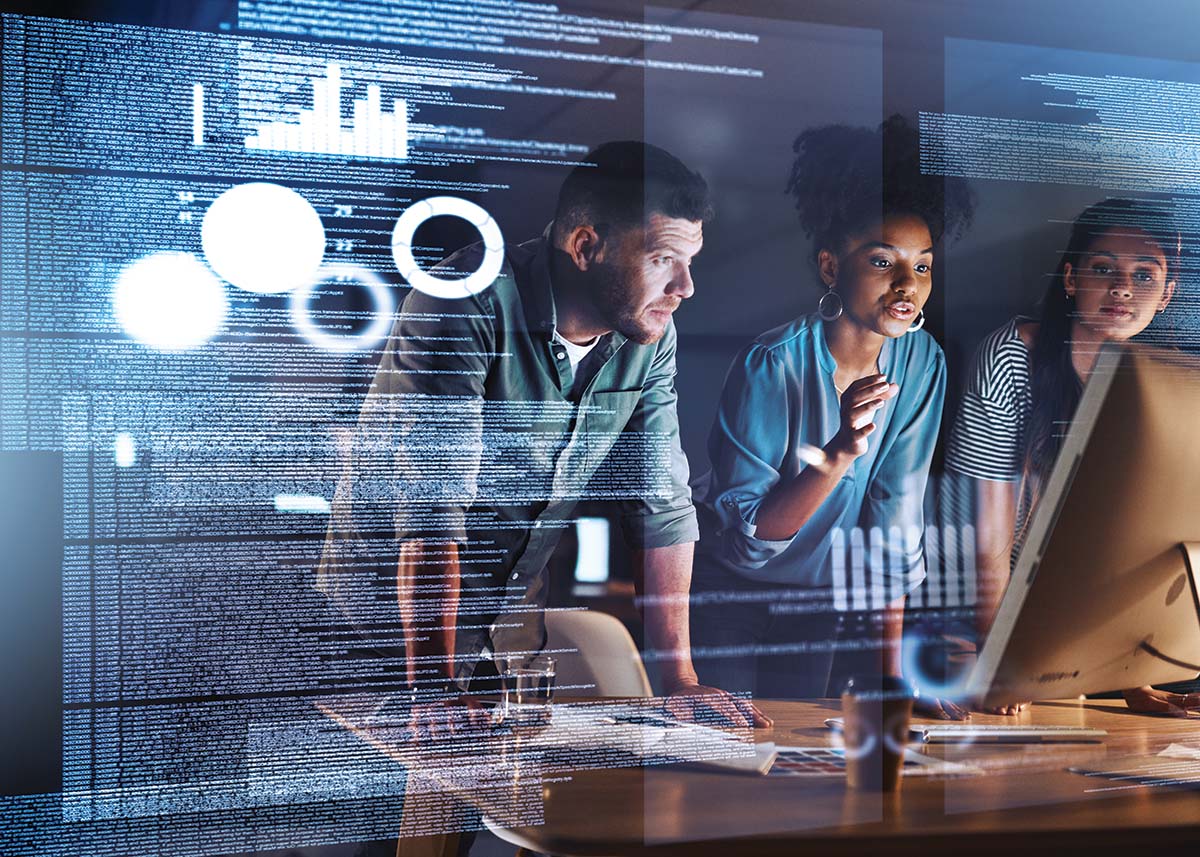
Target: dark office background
pixel 826 61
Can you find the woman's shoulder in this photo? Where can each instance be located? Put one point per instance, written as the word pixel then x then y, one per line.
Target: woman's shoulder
pixel 773 359
pixel 1000 369
pixel 1007 348
pixel 1026 329
pixel 782 347
pixel 796 335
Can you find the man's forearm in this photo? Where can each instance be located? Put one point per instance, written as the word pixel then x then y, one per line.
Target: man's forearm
pixel 427 589
pixel 664 576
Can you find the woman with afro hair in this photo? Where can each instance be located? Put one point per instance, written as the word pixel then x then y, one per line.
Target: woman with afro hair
pixel 826 426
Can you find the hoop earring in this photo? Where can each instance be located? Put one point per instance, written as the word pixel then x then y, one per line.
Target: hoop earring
pixel 918 324
pixel 829 307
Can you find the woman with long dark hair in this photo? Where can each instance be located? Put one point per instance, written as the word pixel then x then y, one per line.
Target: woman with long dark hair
pixel 1119 270
pixel 826 427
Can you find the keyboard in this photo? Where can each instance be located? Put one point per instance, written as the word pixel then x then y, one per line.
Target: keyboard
pixel 968 733
pixel 974 733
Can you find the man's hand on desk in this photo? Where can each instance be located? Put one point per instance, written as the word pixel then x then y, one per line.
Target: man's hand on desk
pixel 459 715
pixel 1012 708
pixel 939 709
pixel 1147 700
pixel 685 700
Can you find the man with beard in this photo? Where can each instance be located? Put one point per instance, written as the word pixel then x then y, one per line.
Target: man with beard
pixel 504 408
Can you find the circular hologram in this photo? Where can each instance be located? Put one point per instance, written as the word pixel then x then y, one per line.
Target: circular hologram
pixel 381 316
pixel 263 237
pixel 452 206
pixel 864 748
pixel 923 661
pixel 169 301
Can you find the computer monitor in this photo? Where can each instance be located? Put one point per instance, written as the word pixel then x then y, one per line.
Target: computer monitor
pixel 1104 592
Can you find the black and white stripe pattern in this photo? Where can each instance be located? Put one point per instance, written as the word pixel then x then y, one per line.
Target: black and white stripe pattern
pixel 987 440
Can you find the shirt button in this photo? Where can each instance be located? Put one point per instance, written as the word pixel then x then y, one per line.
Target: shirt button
pixel 560 354
pixel 515 575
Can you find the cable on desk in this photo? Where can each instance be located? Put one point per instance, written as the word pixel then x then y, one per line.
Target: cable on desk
pixel 1149 648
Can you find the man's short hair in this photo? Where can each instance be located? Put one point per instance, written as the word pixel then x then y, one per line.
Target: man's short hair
pixel 621 184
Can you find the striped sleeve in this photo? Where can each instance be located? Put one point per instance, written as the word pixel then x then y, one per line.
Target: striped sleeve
pixel 987 437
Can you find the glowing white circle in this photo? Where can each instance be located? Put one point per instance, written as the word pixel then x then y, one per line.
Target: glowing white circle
pixel 452 206
pixel 381 319
pixel 263 237
pixel 169 301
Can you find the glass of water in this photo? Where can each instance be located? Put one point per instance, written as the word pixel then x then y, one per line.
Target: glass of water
pixel 531 691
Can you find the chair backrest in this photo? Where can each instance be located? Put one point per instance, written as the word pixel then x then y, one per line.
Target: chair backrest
pixel 596 656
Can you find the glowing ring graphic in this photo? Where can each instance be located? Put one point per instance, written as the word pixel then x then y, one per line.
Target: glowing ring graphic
pixel 376 330
pixel 953 688
pixel 897 724
pixel 863 749
pixel 452 206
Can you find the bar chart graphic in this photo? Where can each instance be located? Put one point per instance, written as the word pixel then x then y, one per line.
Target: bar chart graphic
pixel 372 132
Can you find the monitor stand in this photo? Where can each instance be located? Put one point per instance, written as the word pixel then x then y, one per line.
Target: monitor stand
pixel 1183 588
pixel 1137 627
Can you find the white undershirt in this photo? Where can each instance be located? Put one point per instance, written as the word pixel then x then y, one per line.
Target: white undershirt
pixel 575 353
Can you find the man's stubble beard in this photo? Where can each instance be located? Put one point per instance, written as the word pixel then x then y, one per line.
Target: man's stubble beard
pixel 612 303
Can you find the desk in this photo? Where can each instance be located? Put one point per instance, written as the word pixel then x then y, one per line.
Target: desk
pixel 1025 803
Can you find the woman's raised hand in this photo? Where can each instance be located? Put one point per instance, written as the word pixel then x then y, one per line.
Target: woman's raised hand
pixel 859 403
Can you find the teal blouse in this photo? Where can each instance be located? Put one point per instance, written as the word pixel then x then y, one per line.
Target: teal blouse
pixel 778 397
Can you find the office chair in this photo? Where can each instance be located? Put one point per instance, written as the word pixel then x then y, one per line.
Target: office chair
pixel 596 655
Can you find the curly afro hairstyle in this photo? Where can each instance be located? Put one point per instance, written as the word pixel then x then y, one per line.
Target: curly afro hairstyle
pixel 845 178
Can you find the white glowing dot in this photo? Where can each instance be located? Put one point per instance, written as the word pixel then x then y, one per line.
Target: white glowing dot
pixel 169 301
pixel 307 504
pixel 811 455
pixel 263 237
pixel 125 449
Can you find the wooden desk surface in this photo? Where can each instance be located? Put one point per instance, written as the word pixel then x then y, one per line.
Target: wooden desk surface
pixel 1025 802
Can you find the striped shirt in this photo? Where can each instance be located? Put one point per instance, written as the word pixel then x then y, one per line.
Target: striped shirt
pixel 988 438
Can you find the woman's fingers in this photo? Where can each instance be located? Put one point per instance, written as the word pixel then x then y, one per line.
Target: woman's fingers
pixel 875 380
pixel 856 394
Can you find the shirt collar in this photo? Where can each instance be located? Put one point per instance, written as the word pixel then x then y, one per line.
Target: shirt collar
pixel 826 358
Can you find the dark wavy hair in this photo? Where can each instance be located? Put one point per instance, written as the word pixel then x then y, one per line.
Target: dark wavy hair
pixel 846 178
pixel 1055 387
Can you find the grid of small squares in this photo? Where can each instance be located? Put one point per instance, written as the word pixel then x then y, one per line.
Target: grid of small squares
pixel 809 762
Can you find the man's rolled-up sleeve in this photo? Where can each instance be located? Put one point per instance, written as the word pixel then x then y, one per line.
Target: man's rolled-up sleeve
pixel 747 446
pixel 660 518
